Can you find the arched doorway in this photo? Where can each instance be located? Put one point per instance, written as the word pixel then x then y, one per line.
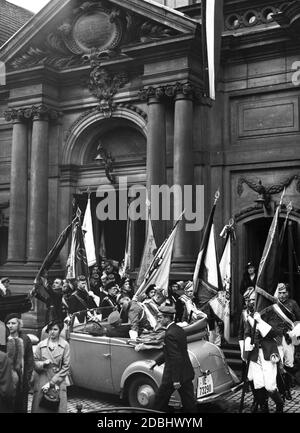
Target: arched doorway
pixel 123 136
pixel 252 231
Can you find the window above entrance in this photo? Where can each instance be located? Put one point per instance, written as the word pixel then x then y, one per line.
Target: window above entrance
pixel 123 142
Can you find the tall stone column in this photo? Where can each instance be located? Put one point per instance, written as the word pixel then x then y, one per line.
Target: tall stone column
pixel 183 165
pixel 38 210
pixel 156 153
pixel 18 187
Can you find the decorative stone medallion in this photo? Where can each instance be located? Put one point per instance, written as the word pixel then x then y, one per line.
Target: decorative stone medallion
pixel 96 28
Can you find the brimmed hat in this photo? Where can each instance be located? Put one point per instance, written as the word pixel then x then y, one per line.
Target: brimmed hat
pixel 250 265
pixel 114 317
pixel 110 285
pixel 168 309
pixel 12 316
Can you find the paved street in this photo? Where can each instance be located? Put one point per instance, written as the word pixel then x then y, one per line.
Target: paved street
pixel 93 401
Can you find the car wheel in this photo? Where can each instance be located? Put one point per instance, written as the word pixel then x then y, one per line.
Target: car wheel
pixel 141 392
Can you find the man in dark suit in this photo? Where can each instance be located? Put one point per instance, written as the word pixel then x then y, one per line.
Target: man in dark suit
pixel 178 371
pixel 81 300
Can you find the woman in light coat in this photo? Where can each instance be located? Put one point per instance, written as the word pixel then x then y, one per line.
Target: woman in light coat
pixel 51 365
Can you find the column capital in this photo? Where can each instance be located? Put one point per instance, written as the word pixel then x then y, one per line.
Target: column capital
pixel 43 112
pixel 173 91
pixel 35 112
pixel 14 114
pixel 153 94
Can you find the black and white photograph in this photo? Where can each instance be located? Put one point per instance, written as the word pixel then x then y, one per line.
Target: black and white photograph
pixel 150 213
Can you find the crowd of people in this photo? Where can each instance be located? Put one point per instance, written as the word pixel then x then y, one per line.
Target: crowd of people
pixel 107 303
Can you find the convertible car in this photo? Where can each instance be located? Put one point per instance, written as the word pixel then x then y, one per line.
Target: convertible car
pixel 114 366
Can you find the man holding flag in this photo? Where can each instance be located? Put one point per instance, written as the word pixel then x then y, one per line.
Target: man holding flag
pixel 261 336
pixel 207 278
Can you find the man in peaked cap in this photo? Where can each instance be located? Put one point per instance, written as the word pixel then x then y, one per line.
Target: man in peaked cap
pixel 178 371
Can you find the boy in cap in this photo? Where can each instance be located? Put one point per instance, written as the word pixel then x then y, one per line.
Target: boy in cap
pixel 178 370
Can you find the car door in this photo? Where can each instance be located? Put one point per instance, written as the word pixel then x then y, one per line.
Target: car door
pixel 91 362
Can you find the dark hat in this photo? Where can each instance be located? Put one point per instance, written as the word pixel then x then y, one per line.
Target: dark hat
pixel 12 316
pixel 4 279
pixel 168 309
pixel 110 285
pixel 54 322
pixel 151 287
pixel 114 317
pixel 250 265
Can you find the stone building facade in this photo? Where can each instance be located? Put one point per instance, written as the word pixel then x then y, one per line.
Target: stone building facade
pixel 124 78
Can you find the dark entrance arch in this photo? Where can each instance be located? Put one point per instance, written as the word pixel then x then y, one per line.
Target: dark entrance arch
pixel 252 231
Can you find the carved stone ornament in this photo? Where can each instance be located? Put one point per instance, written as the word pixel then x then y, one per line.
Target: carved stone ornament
pixel 104 85
pixel 95 28
pixel 170 91
pixel 267 190
pixel 36 112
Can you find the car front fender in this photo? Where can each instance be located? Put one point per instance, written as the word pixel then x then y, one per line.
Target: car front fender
pixel 141 367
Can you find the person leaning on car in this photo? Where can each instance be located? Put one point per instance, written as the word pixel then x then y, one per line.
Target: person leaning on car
pixel 178 371
pixel 133 312
pixel 115 328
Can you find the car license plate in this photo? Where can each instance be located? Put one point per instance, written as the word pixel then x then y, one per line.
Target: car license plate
pixel 205 386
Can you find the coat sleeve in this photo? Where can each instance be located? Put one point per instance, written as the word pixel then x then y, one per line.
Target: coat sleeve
pixel 174 357
pixel 38 362
pixel 296 311
pixel 58 378
pixel 28 358
pixel 241 328
pixel 134 318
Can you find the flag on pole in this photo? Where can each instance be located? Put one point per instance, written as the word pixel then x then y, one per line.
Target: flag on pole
pixel 54 252
pixel 268 271
pixel 159 269
pixel 221 302
pixel 212 26
pixel 207 277
pixel 268 277
pixel 150 248
pixel 87 229
pixel 127 256
pixel 77 261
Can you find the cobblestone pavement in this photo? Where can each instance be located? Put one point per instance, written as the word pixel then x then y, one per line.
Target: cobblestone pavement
pixel 93 401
